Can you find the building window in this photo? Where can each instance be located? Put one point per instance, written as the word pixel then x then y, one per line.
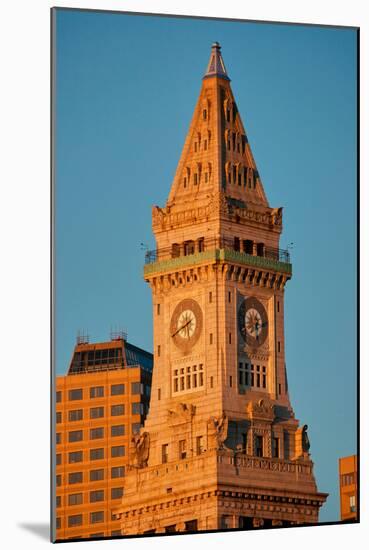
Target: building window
pixel 184 182
pixel 210 297
pixel 164 453
pixel 176 250
pixel 275 447
pixel 137 408
pixel 75 436
pixel 96 517
pixel 97 391
pixel 97 412
pixel 230 381
pixel 96 433
pixel 58 459
pixel 119 450
pixel 199 444
pixel 259 445
pixel 136 426
pixel 260 249
pixel 58 523
pixel 116 492
pixel 229 297
pixel 58 480
pixel 117 410
pixel 117 389
pixel 159 351
pixel 204 114
pixel 74 499
pixel 117 430
pixel 236 244
pixel 248 247
pixel 73 521
pixel 201 244
pixel 158 309
pixel 195 146
pixel 191 526
pixel 159 394
pixel 230 338
pixel 205 144
pixel 96 475
pixel 96 496
pixel 279 346
pixel 352 503
pixel 58 501
pixel 58 396
pixel 58 438
pixel 188 378
pixel 75 477
pixel 75 395
pixel 211 338
pixel 117 471
pixel 182 449
pixel 96 454
pixel 264 379
pixel 58 417
pixel 76 456
pixel 136 388
pixel 116 533
pixel 278 307
pixel 211 381
pixel 76 414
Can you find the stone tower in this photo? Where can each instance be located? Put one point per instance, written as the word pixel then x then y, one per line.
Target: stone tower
pixel 221 447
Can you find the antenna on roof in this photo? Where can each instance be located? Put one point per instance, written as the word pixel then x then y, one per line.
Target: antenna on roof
pixel 82 337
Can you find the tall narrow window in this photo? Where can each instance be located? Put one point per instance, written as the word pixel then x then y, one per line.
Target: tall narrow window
pixel 230 381
pixel 204 114
pixel 259 445
pixel 164 453
pixel 211 381
pixel 279 346
pixel 210 297
pixel 199 444
pixel 236 244
pixel 211 338
pixel 275 447
pixel 182 449
pixel 230 338
pixel 229 296
pixel 158 351
pixel 159 394
pixel 158 309
pixel 195 178
pixel 278 307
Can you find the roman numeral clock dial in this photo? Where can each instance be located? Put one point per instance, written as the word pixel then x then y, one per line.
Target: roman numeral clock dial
pixel 186 324
pixel 253 322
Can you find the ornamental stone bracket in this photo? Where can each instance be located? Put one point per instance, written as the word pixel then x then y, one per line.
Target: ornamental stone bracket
pixel 261 410
pixel 181 414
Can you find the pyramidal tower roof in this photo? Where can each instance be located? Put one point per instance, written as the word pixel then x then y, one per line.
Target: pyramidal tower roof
pixel 216 65
pixel 216 156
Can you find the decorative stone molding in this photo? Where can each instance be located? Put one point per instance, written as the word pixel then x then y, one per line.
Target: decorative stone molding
pixel 181 414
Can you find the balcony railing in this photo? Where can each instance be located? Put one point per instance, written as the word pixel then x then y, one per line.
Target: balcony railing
pixel 189 248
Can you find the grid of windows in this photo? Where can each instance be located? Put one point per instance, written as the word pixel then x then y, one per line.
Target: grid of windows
pixel 250 375
pixel 96 517
pixel 73 521
pixel 75 499
pixel 116 492
pixel 97 454
pixel 137 408
pixel 188 378
pixel 348 479
pixel 76 414
pixel 75 477
pixel 97 412
pixel 96 391
pixel 74 436
pixel 117 430
pixel 118 450
pixel 117 389
pixel 97 475
pixel 117 410
pixel 117 471
pixel 96 496
pixel 97 433
pixel 75 395
pixel 76 456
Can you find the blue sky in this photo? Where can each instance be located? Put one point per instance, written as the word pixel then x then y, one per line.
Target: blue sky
pixel 126 87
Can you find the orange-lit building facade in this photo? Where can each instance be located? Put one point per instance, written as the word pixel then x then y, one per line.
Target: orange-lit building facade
pixel 100 404
pixel 348 487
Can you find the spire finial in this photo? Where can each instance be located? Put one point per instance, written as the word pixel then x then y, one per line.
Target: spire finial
pixel 216 65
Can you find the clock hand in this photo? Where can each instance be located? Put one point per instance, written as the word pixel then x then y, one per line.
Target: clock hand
pixel 181 328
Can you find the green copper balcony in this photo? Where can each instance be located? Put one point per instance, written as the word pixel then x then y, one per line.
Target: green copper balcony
pixel 162 260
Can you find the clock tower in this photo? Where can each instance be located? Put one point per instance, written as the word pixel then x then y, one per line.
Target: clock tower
pixel 221 447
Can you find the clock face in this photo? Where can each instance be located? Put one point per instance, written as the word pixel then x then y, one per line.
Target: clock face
pixel 186 324
pixel 253 322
